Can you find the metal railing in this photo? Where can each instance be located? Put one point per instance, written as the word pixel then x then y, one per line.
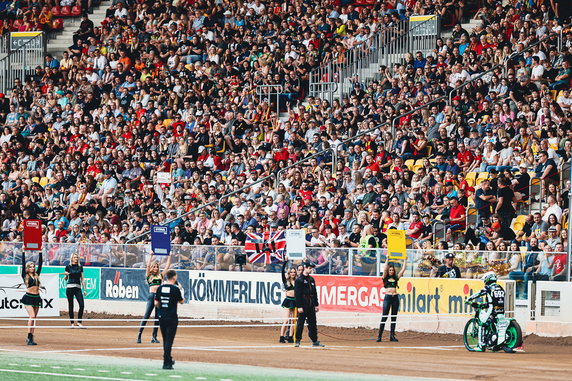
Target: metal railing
pixel 21 62
pixel 329 261
pixel 270 93
pixel 387 45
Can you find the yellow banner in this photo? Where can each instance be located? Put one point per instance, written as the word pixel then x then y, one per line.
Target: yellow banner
pixel 437 295
pixel 421 18
pixel 396 243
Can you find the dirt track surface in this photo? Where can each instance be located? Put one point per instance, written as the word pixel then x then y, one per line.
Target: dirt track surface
pixel 347 350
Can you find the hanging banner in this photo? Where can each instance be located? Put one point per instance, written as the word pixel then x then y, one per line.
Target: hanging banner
pixel 160 240
pixel 32 235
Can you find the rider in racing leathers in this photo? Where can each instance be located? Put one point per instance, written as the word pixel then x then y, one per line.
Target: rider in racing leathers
pixel 494 296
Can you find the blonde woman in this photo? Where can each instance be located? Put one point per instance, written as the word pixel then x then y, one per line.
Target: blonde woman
pixel 76 282
pixel 289 302
pixel 31 299
pixel 154 278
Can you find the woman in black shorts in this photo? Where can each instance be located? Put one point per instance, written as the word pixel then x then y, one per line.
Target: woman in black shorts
pixel 154 278
pixel 391 298
pixel 31 300
pixel 289 302
pixel 76 282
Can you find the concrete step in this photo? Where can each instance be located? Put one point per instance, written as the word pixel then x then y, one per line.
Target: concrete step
pixel 64 39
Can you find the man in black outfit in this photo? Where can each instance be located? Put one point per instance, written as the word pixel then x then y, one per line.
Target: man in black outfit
pixel 307 303
pixel 167 297
pixel 448 270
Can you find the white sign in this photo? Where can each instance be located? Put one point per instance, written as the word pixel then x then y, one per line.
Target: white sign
pixel 164 177
pixel 235 287
pixel 12 290
pixel 295 243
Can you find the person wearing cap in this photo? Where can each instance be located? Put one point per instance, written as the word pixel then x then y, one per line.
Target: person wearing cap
pixel 448 269
pixel 553 238
pixel 457 217
pixel 307 303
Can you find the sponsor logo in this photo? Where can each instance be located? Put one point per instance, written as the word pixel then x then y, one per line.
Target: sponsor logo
pixel 33 224
pixel 116 289
pixel 351 296
pixel 420 302
pixel 13 304
pixel 235 291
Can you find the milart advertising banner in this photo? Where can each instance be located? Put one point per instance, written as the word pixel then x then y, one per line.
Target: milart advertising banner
pixel 91 275
pixel 12 290
pixel 417 295
pixel 235 288
pixel 130 284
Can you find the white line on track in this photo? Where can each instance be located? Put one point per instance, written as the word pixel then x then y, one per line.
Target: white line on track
pixel 67 375
pixel 150 374
pixel 13 364
pixel 34 366
pixel 175 376
pixel 53 367
pixel 200 378
pixel 102 371
pixel 126 372
pixel 79 369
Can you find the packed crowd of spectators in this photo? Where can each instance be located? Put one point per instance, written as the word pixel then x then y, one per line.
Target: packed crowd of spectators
pixel 41 15
pixel 170 87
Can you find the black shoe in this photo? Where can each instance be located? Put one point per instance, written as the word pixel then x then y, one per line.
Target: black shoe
pixel 30 342
pixel 154 341
pixel 378 340
pixel 317 344
pixel 507 349
pixel 168 366
pixel 282 339
pixel 138 341
pixel 289 339
pixel 296 344
pixel 393 338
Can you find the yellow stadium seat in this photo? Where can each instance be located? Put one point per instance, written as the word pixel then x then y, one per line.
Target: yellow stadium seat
pixel 416 167
pixel 482 176
pixel 419 162
pixel 553 94
pixel 44 181
pixel 409 164
pixel 471 178
pixel 518 223
pixel 35 179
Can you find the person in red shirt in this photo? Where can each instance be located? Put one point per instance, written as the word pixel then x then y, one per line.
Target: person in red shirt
pixel 559 265
pixel 457 217
pixel 465 157
pixel 415 227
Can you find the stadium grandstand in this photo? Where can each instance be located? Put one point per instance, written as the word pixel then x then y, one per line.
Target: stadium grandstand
pixel 220 118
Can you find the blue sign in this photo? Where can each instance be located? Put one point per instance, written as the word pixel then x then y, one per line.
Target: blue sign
pixel 160 240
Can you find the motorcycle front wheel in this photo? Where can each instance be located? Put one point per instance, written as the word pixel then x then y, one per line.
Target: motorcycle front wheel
pixel 471 335
pixel 513 335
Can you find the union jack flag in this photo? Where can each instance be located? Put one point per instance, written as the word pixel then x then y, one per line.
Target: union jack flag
pixel 269 247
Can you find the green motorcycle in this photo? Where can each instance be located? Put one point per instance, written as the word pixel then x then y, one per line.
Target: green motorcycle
pixel 506 333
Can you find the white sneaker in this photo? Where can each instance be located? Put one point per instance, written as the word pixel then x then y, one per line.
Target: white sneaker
pixel 79 325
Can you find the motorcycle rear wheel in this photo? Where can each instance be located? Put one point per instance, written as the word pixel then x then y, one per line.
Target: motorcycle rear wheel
pixel 471 335
pixel 513 335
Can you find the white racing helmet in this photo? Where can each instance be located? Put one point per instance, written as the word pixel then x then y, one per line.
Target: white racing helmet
pixel 489 278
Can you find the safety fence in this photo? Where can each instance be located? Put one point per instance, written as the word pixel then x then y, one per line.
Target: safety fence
pixel 19 57
pixel 387 46
pixel 330 261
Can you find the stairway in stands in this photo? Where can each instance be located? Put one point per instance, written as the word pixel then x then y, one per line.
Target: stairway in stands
pixel 64 40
